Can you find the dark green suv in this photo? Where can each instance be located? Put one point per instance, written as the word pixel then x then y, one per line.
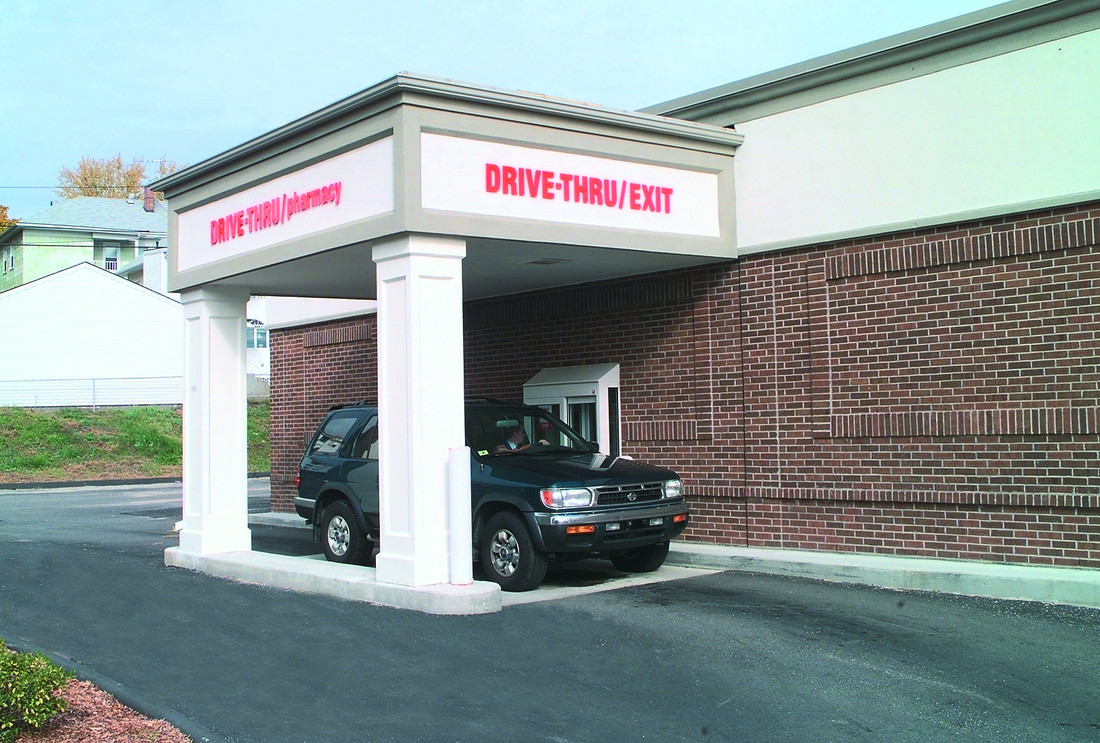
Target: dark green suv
pixel 540 492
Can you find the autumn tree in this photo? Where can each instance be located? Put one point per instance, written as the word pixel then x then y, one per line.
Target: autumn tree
pixel 5 221
pixel 109 177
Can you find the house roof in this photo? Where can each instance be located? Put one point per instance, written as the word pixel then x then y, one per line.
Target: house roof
pixel 87 272
pixel 95 213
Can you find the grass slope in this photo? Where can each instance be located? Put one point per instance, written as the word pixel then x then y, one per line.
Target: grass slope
pixel 41 445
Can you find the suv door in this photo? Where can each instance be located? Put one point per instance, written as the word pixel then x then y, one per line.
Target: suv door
pixel 360 469
pixel 322 462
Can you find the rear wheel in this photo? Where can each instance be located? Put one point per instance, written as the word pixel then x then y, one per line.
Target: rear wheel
pixel 642 559
pixel 341 537
pixel 508 553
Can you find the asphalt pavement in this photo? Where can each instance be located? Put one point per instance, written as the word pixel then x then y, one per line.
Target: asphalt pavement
pixel 731 655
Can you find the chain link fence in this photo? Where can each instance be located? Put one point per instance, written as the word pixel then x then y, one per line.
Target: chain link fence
pixel 106 391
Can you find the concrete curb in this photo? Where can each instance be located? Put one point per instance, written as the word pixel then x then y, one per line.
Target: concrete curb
pixel 349 582
pixel 1072 586
pixel 57 484
pixel 1054 585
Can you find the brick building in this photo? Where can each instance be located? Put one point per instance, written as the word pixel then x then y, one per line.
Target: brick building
pixel 902 358
pixel 853 302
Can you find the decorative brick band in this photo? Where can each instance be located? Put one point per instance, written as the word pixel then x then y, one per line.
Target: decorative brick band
pixel 666 430
pixel 344 334
pixel 849 495
pixel 663 289
pixel 1003 243
pixel 1063 421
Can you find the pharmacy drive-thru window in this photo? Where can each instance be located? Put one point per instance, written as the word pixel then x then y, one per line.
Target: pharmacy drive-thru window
pixel 421 194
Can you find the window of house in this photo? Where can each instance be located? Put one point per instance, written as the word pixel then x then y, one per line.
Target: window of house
pixel 106 253
pixel 257 337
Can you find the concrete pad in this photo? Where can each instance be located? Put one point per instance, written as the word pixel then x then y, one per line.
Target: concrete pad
pixel 1072 586
pixel 350 582
pixel 594 577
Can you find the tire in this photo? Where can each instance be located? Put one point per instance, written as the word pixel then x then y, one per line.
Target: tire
pixel 341 538
pixel 642 559
pixel 508 554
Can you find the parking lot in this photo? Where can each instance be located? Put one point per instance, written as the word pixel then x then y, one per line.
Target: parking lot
pixel 693 657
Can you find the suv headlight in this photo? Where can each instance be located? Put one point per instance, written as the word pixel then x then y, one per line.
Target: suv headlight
pixel 566 497
pixel 674 488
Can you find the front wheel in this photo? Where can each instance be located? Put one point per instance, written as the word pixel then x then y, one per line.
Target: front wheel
pixel 341 537
pixel 642 559
pixel 508 553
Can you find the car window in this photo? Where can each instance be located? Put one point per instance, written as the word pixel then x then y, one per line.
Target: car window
pixel 332 435
pixel 366 443
pixel 502 432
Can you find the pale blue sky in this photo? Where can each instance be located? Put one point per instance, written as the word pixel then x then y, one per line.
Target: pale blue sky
pixel 189 79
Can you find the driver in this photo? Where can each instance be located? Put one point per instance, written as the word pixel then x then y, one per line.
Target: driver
pixel 517 441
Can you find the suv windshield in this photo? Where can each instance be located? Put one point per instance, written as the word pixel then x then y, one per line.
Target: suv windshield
pixel 520 431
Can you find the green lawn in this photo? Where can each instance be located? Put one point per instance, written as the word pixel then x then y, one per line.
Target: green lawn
pixel 38 445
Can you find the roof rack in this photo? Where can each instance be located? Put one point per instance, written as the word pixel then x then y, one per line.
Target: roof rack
pixel 351 404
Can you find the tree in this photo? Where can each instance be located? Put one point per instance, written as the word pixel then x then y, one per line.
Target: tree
pixel 5 221
pixel 108 177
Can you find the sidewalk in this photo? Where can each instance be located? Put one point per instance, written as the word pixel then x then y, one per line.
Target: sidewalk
pixel 1072 586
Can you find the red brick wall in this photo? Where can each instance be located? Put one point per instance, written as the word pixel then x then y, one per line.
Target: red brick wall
pixel 312 368
pixel 929 393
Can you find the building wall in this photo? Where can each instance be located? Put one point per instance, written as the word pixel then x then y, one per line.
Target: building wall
pixel 1003 133
pixel 47 251
pixel 312 368
pixel 84 336
pixel 12 275
pixel 932 393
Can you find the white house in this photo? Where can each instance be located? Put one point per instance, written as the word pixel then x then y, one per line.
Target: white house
pixel 84 336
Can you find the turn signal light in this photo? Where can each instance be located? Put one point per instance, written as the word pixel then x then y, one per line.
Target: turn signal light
pixel 582 529
pixel 679 517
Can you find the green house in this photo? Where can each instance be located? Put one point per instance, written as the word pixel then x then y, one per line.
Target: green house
pixel 109 233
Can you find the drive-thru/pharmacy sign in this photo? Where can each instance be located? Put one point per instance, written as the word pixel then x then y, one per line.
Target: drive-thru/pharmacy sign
pixel 337 191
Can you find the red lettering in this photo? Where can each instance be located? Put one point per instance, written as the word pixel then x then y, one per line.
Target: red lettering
pixel 566 184
pixel 597 191
pixel 667 193
pixel 581 188
pixel 635 196
pixel 648 192
pixel 610 192
pixel 213 232
pixel 548 184
pixel 531 179
pixel 240 224
pixel 509 178
pixel 492 178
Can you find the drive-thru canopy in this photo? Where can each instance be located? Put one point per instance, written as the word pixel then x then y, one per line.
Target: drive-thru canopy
pixel 420 193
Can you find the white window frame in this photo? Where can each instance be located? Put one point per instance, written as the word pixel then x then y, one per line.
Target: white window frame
pixel 595 383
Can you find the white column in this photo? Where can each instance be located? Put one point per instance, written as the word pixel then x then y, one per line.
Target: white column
pixel 215 440
pixel 420 400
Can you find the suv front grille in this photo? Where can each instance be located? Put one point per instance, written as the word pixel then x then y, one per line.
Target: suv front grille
pixel 617 495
